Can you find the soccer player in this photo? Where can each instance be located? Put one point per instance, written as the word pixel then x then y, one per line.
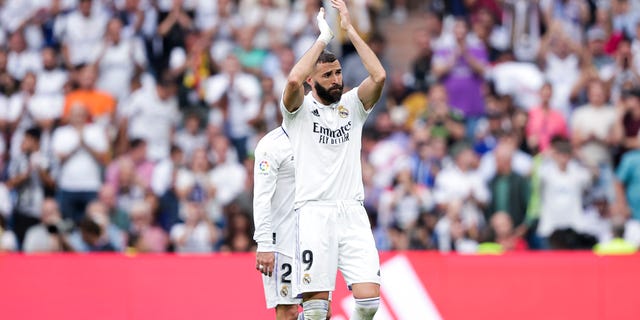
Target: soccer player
pixel 325 130
pixel 274 221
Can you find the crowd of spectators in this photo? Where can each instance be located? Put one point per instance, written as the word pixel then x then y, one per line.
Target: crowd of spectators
pixel 129 125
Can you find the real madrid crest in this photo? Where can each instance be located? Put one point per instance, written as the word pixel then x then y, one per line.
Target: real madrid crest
pixel 284 291
pixel 306 279
pixel 343 112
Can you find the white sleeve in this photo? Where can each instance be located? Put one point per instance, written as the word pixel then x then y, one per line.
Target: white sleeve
pixel 289 118
pixel 160 179
pixel 130 106
pixel 361 113
pixel 265 175
pixel 139 54
pixel 14 108
pixel 480 189
pixel 251 90
pixel 439 193
pixel 63 142
pixel 97 138
pixel 385 210
pixel 216 86
pixel 4 105
pixel 184 179
pixel 5 201
pixel 177 58
pixel 176 232
pixel 584 177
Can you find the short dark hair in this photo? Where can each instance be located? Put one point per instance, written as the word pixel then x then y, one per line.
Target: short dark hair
pixel 136 142
pixel 175 149
pixel 167 80
pixel 326 57
pixel 561 144
pixel 33 132
pixel 90 227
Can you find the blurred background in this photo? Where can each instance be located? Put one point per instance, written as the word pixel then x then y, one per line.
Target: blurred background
pixel 505 125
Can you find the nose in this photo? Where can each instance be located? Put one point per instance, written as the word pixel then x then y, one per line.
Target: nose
pixel 336 79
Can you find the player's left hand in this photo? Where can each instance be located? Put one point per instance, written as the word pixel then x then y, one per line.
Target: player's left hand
pixel 345 19
pixel 264 262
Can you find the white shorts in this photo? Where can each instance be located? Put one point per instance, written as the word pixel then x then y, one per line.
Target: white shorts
pixel 331 236
pixel 277 288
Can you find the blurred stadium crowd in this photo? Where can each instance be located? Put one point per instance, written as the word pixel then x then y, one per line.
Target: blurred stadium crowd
pixel 128 125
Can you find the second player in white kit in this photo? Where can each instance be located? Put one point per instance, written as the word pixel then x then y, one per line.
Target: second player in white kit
pixel 274 221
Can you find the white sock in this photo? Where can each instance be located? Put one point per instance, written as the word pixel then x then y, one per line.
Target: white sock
pixel 366 308
pixel 316 309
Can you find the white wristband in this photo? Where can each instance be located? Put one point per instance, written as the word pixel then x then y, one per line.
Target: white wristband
pixel 325 31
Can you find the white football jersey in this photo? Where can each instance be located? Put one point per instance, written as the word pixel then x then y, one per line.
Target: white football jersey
pixel 273 194
pixel 326 143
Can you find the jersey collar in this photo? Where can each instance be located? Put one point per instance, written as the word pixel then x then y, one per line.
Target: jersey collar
pixel 320 105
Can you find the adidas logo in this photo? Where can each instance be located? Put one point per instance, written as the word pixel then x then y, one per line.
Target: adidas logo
pixel 315 112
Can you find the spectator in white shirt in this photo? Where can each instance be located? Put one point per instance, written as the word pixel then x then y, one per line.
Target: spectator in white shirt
pixel 50 82
pixel 197 234
pixel 462 183
pixel 594 133
pixel 562 184
pixel 301 26
pixel 20 59
pixel 82 149
pixel 50 235
pixel 521 161
pixel 80 32
pixel 152 115
pixel 19 114
pixel 192 183
pixel 236 96
pixel 265 18
pixel 403 202
pixel 228 176
pixel 117 59
pixel 191 137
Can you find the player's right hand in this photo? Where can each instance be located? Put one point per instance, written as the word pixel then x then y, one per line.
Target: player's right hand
pixel 345 19
pixel 325 31
pixel 264 262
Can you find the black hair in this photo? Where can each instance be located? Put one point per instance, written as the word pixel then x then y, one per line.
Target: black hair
pixel 326 57
pixel 90 227
pixel 175 149
pixel 135 142
pixel 33 132
pixel 167 80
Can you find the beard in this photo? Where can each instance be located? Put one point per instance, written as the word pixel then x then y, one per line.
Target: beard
pixel 331 95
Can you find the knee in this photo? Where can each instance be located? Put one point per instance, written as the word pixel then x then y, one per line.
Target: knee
pixel 287 312
pixel 365 290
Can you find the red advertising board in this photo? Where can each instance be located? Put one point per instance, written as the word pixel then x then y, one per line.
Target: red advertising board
pixel 416 285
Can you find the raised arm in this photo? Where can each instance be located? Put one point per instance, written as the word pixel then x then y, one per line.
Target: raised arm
pixel 371 88
pixel 294 90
